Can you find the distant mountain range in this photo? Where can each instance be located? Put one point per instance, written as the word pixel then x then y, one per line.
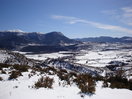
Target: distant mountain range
pixel 106 39
pixel 33 41
pixel 48 42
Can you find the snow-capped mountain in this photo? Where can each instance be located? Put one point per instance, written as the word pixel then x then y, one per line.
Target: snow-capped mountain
pixel 107 39
pixel 19 39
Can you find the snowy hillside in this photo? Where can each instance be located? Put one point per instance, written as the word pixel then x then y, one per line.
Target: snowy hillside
pixel 8 57
pixel 23 87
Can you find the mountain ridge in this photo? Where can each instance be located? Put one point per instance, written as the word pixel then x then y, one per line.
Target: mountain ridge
pixel 124 39
pixel 13 40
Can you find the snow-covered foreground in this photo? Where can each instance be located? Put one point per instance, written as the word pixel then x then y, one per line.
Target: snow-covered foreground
pixel 102 58
pixel 22 89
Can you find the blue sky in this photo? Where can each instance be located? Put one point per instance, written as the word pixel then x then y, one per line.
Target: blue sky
pixel 74 18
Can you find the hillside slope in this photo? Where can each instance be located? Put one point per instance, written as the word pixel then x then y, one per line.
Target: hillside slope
pixel 18 40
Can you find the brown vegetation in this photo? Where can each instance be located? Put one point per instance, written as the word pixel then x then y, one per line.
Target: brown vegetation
pixel 45 82
pixel 15 74
pixel 86 83
pixel 1 78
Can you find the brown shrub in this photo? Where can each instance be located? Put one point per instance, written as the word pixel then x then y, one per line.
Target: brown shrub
pixel 3 72
pixel 45 82
pixel 86 83
pixel 1 78
pixel 15 74
pixel 73 74
pixel 21 68
pixel 3 66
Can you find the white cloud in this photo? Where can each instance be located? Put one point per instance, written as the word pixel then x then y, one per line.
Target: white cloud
pixel 74 20
pixel 127 9
pixel 123 15
pixel 16 30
